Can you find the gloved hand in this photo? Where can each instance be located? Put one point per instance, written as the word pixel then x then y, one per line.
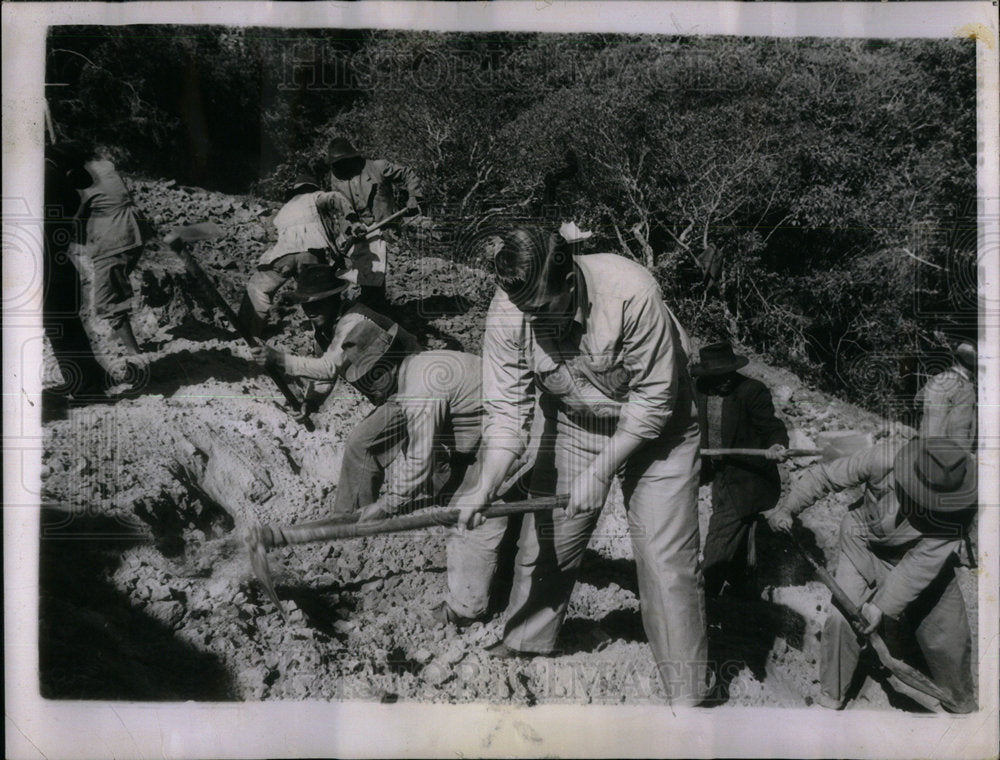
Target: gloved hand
pixel 357 230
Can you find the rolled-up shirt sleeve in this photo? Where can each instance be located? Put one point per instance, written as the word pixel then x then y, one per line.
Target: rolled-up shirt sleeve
pixel 648 356
pixel 508 382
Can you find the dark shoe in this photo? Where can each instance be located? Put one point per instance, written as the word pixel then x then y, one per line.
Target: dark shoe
pixel 501 651
pixel 442 614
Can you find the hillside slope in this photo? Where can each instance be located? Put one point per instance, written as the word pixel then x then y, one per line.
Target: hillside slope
pixel 158 601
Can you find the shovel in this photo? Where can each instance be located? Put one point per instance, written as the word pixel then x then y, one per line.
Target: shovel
pixel 904 678
pixel 833 445
pixel 261 538
pixel 211 231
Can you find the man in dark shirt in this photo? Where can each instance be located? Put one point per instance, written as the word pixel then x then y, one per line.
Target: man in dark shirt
pixel 735 412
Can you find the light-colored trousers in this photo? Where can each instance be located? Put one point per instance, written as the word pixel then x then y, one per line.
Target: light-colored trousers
pixel 938 618
pixel 660 486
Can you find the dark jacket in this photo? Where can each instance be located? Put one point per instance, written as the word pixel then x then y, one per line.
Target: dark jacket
pixel 752 484
pixel 370 194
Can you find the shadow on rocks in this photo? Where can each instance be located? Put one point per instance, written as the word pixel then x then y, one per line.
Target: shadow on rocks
pixel 168 374
pixel 93 644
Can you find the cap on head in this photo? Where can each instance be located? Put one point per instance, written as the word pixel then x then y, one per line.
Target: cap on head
pixel 965 352
pixel 531 266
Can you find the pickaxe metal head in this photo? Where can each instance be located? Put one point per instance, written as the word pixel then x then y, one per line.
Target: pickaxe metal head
pixel 258 563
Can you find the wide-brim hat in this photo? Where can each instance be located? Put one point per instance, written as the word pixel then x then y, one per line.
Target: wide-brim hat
pixel 365 346
pixel 304 183
pixel 317 282
pixel 340 149
pixel 937 474
pixel 717 359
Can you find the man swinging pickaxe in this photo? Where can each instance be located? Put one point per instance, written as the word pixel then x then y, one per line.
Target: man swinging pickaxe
pixel 178 240
pixel 261 538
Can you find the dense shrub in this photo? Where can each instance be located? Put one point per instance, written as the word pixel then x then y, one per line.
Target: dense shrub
pixel 835 180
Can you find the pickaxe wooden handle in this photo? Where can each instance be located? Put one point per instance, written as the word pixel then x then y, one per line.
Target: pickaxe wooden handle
pixel 905 674
pixel 762 452
pixel 260 539
pixel 369 231
pixel 195 270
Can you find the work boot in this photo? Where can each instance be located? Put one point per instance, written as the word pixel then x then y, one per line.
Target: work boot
pixel 123 332
pixel 442 614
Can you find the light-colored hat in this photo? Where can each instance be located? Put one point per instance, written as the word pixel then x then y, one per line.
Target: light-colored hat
pixel 573 234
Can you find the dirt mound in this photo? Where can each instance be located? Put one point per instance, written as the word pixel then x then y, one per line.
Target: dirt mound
pixel 161 485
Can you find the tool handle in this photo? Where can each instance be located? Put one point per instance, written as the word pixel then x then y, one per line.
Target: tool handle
pixel 905 673
pixel 760 452
pixel 376 227
pixel 340 528
pixel 194 268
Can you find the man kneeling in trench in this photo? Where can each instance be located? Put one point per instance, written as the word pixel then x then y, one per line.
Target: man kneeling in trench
pixel 426 424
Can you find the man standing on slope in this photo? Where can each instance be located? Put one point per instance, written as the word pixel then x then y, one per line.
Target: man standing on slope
pixel 899 550
pixel 368 185
pixel 736 412
pixel 592 336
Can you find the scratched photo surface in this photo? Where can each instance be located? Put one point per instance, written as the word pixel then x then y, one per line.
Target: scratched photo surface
pixel 699 318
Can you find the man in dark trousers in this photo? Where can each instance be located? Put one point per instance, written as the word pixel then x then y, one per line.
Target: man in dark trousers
pixel 736 412
pixel 368 185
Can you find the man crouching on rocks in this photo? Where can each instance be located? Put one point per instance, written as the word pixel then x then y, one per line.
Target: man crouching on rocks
pixel 899 550
pixel 426 424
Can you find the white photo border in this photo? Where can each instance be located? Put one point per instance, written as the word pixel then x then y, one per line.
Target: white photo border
pixel 73 729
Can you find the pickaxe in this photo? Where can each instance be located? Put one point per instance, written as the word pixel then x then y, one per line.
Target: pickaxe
pixel 904 678
pixel 211 231
pixel 831 446
pixel 261 538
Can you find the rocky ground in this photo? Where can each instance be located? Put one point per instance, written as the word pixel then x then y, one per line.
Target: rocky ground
pixel 146 590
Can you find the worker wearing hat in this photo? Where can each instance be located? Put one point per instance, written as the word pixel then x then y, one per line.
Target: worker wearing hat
pixel 735 412
pixel 949 400
pixel 368 186
pixel 308 226
pixel 426 424
pixel 899 549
